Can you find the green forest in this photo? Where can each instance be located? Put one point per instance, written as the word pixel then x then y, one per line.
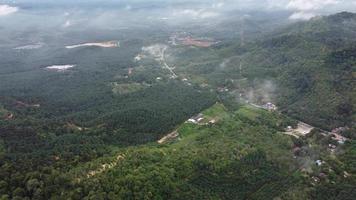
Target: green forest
pixel 117 127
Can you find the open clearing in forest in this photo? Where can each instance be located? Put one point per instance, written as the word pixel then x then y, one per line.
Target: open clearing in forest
pixel 26 105
pixel 189 41
pixel 302 129
pixel 30 46
pixel 60 68
pixel 169 137
pixel 109 44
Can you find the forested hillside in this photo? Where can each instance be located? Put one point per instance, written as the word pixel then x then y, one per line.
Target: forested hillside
pixel 243 154
pixel 313 66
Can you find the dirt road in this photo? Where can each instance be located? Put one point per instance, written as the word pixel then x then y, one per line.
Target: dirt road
pixel 106 166
pixel 165 65
pixel 168 137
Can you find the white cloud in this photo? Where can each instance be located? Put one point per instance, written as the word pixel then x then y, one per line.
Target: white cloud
pixel 208 14
pixel 310 4
pixel 275 4
pixel 195 14
pixel 7 10
pixel 301 16
pixel 306 9
pixel 218 5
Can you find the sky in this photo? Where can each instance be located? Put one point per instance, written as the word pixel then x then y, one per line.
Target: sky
pixel 200 9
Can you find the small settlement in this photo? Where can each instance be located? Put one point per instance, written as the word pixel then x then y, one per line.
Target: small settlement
pixel 270 106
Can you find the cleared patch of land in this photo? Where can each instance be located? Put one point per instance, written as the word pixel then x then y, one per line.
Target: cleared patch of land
pixel 24 104
pixel 301 130
pixel 60 67
pixel 30 46
pixel 197 42
pixel 109 44
pixel 185 40
pixel 168 137
pixel 76 127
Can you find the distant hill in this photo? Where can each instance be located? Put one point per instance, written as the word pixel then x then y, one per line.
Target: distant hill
pixel 314 66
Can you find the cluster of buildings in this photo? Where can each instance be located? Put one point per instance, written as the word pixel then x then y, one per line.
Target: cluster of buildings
pixel 199 119
pixel 332 148
pixel 222 89
pixel 339 130
pixel 339 138
pixel 196 119
pixel 270 106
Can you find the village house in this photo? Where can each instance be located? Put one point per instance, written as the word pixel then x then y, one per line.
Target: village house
pixel 222 89
pixel 196 119
pixel 319 162
pixel 270 106
pixel 339 138
pixel 213 121
pixel 289 129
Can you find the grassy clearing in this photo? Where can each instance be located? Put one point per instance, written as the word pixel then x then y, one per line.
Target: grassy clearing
pixel 218 111
pixel 249 112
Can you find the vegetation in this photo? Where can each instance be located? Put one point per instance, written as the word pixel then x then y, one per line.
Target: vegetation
pixel 305 62
pixel 224 155
pixel 91 132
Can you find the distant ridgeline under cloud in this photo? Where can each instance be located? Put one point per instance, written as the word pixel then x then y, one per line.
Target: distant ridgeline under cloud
pixel 306 9
pixel 300 9
pixel 193 9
